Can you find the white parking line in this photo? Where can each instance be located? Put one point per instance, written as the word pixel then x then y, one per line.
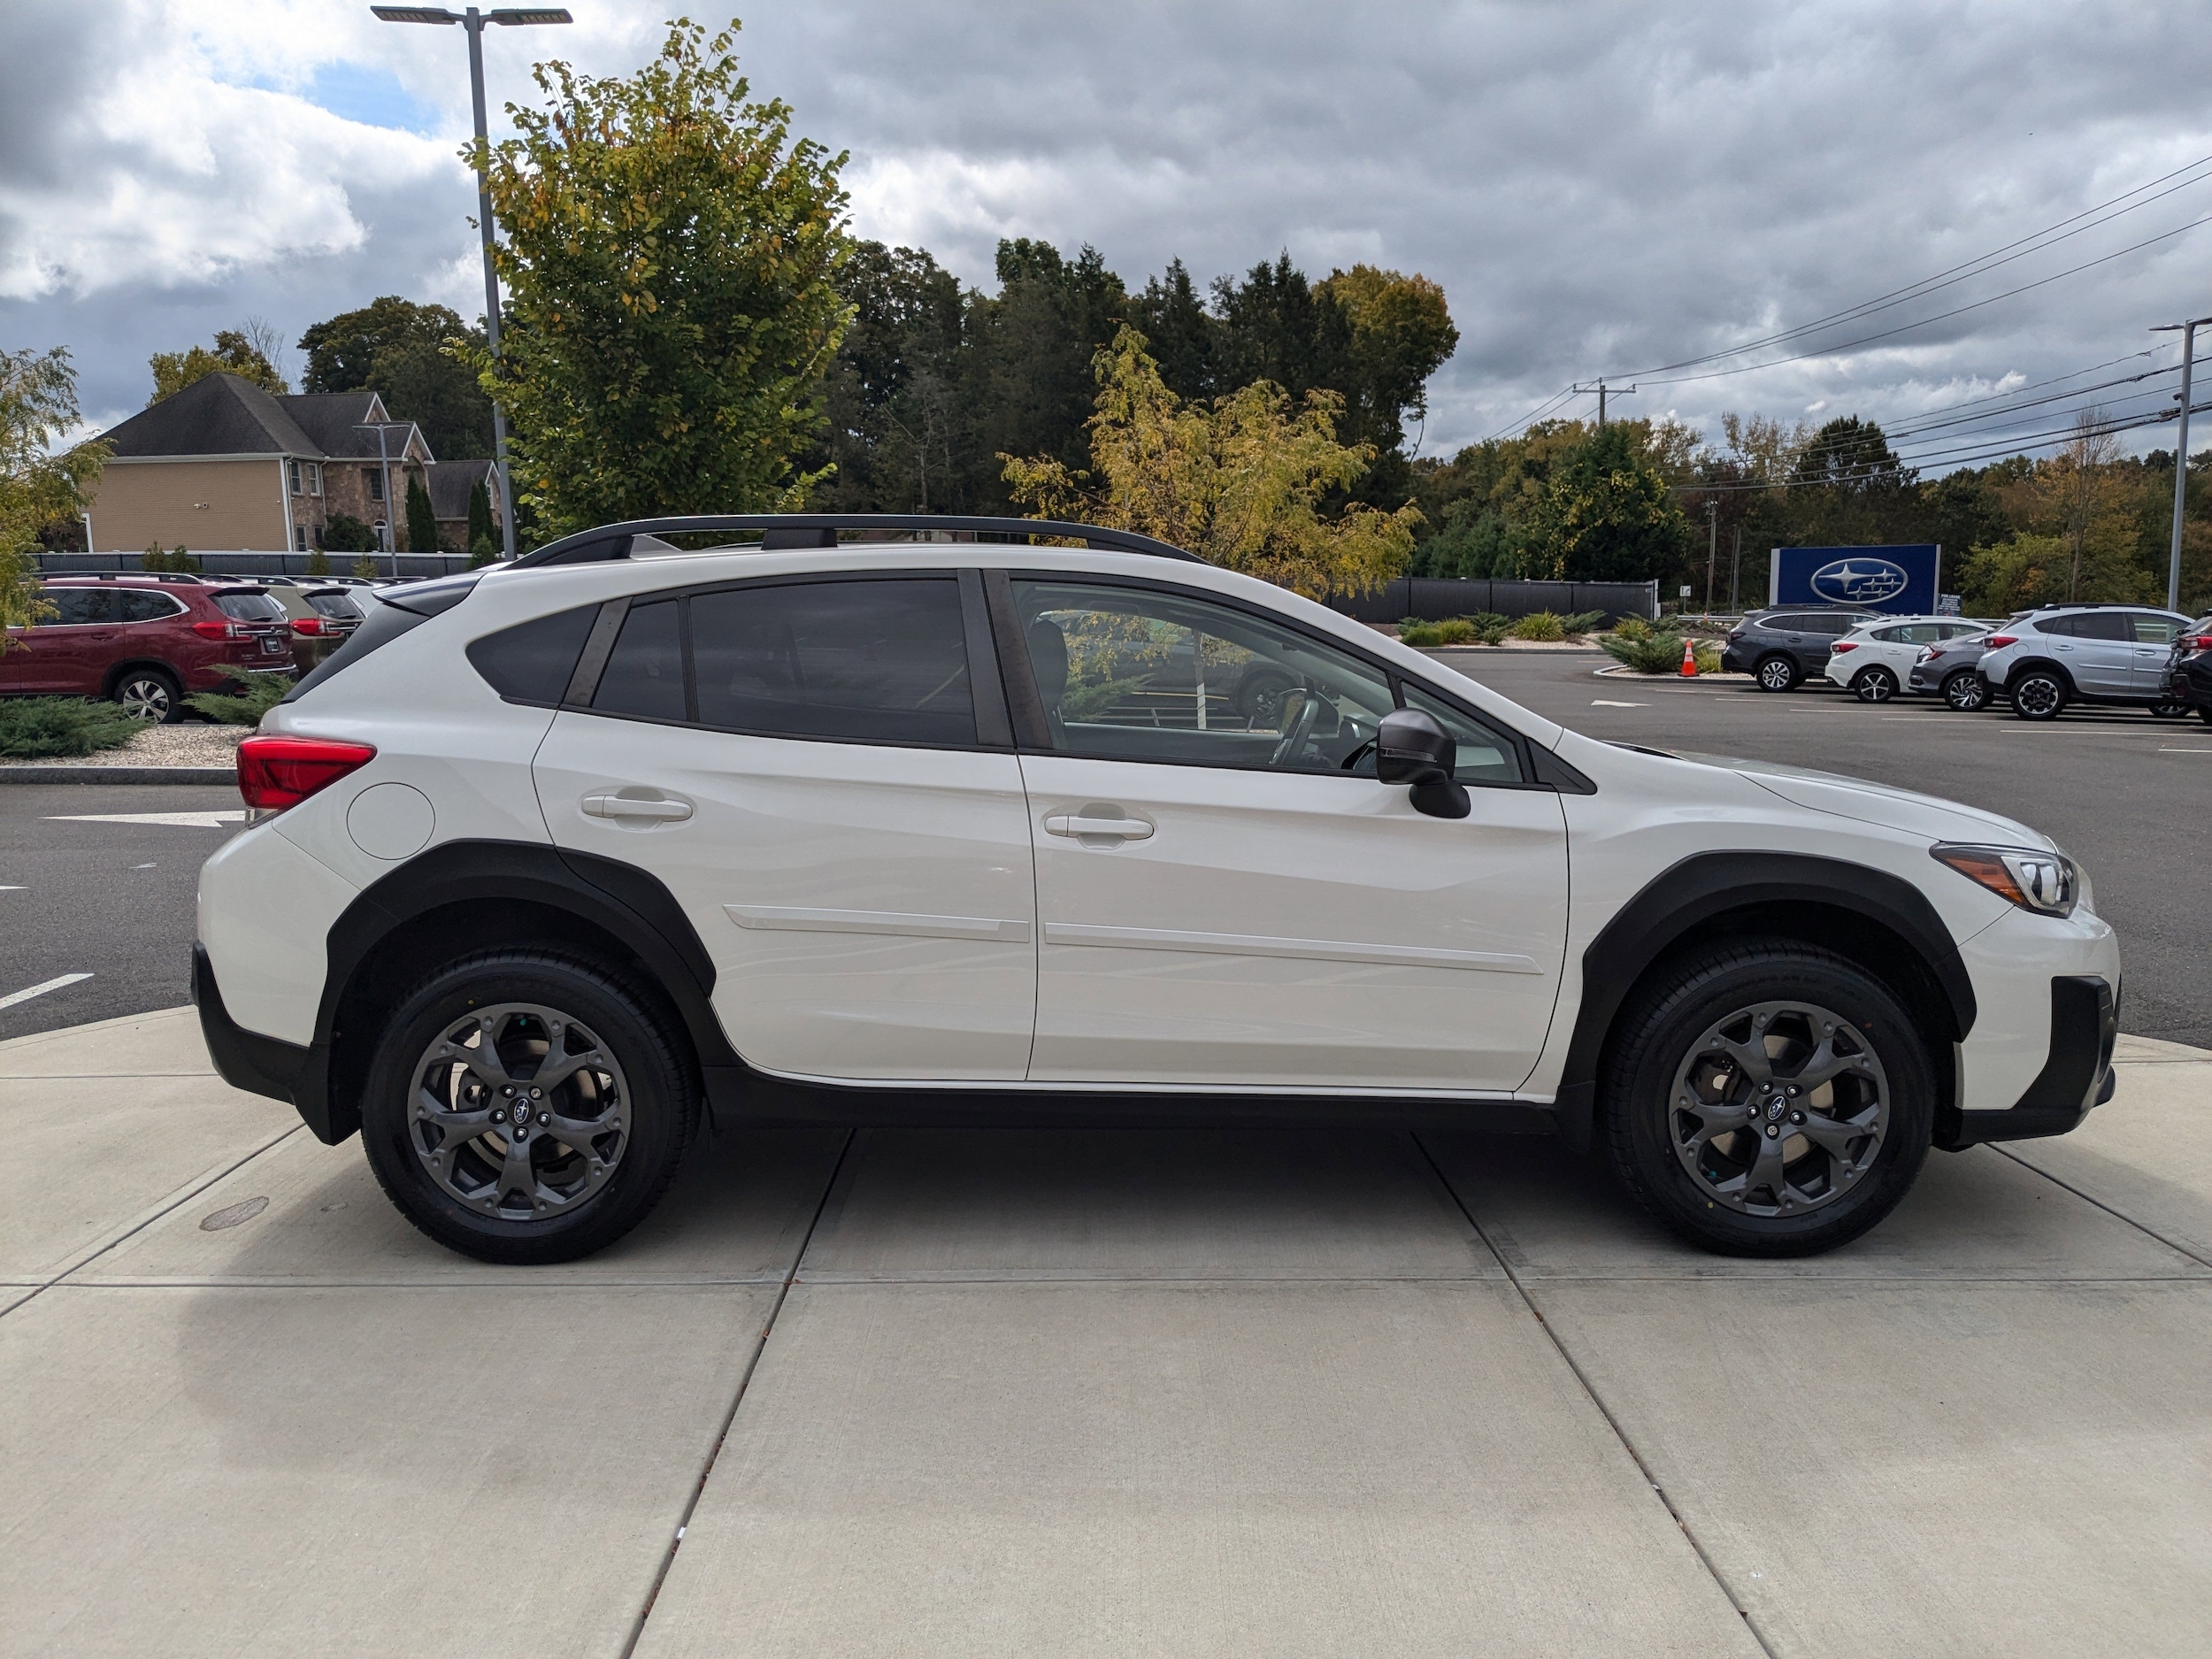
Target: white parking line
pixel 11 1000
pixel 1607 703
pixel 2164 750
pixel 183 820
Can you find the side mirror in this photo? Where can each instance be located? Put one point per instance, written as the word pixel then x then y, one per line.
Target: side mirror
pixel 1413 748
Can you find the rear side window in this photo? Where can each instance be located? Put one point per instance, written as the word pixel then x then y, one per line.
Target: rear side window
pixel 529 663
pixel 645 674
pixel 877 662
pixel 138 605
pixel 245 607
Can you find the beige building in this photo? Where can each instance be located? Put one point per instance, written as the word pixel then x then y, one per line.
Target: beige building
pixel 225 467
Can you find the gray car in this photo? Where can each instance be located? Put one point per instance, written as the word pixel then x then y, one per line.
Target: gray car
pixel 2058 655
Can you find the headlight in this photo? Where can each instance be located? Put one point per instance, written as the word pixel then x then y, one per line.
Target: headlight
pixel 2046 883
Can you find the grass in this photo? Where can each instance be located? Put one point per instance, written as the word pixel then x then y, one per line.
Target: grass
pixel 1544 625
pixel 256 695
pixel 51 728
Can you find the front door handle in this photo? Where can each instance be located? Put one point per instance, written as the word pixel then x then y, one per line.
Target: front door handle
pixel 1127 829
pixel 619 806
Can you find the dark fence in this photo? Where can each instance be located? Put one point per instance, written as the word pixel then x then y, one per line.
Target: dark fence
pixel 220 563
pixel 1433 598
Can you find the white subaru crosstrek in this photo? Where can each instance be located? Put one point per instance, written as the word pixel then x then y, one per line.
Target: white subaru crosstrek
pixel 548 859
pixel 1874 662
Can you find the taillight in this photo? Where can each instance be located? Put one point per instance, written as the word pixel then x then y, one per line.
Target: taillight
pixel 309 626
pixel 2202 643
pixel 274 773
pixel 1998 642
pixel 221 630
pixel 1841 646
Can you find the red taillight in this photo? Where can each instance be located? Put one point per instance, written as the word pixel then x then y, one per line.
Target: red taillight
pixel 220 630
pixel 308 625
pixel 274 773
pixel 1841 646
pixel 1998 642
pixel 2202 643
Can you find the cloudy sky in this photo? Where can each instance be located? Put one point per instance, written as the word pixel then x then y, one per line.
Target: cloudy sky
pixel 1602 188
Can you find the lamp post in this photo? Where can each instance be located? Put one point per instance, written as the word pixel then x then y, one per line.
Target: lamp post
pixel 475 20
pixel 384 467
pixel 2181 453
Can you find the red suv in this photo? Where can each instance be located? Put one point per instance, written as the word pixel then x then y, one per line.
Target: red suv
pixel 146 642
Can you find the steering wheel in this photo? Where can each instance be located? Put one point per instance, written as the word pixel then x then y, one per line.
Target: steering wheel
pixel 1294 739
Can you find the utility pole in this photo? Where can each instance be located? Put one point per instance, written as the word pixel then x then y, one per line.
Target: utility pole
pixel 1735 571
pixel 1603 391
pixel 474 21
pixel 2181 454
pixel 1712 549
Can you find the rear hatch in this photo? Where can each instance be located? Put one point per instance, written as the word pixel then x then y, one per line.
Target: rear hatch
pixel 258 619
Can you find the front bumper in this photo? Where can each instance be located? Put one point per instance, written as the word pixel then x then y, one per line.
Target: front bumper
pixel 2077 1072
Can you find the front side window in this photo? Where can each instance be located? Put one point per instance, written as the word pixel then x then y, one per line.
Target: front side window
pixel 1129 673
pixel 1485 756
pixel 2151 630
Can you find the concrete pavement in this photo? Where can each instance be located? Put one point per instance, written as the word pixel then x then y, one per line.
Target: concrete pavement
pixel 1088 1391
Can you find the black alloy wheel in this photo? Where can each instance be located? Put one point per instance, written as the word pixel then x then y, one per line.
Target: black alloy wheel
pixel 524 1107
pixel 149 695
pixel 2038 694
pixel 1966 691
pixel 1874 684
pixel 1775 673
pixel 1768 1098
pixel 2172 709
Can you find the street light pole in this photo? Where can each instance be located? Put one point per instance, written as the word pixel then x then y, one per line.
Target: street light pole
pixel 2181 454
pixel 475 20
pixel 1712 549
pixel 384 467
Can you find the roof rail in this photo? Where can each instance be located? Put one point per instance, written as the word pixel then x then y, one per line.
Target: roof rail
pixel 783 531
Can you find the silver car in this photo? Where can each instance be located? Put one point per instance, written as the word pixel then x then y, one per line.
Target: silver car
pixel 2056 656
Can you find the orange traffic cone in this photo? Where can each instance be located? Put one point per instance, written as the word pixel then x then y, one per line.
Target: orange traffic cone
pixel 1689 659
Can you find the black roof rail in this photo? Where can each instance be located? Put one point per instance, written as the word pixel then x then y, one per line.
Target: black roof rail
pixel 782 531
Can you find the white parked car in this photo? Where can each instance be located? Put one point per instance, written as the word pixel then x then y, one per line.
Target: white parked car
pixel 552 857
pixel 1874 661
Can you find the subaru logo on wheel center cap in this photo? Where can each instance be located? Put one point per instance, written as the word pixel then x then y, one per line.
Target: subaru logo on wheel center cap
pixel 1777 1106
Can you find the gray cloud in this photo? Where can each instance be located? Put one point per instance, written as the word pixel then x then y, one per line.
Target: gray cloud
pixel 1599 187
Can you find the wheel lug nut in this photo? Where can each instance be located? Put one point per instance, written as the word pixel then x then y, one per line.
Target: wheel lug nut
pixel 507 1090
pixel 545 1118
pixel 499 1115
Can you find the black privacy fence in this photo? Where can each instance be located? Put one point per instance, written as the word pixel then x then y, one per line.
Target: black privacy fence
pixel 215 562
pixel 1434 598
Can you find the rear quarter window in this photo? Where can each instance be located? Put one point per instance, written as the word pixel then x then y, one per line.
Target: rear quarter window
pixel 533 661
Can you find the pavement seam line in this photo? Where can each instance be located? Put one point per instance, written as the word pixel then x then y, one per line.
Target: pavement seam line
pixel 1689 1534
pixel 729 1417
pixel 2064 1185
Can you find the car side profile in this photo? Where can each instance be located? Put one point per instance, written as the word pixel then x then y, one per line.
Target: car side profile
pixel 145 643
pixel 1875 660
pixel 2058 657
pixel 551 858
pixel 1780 650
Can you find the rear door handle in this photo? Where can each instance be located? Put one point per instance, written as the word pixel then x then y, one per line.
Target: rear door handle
pixel 626 806
pixel 1128 829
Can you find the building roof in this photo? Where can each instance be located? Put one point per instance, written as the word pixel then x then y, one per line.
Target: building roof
pixel 449 483
pixel 221 414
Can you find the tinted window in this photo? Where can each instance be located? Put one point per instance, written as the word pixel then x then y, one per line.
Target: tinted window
pixel 1129 674
pixel 75 606
pixel 2062 625
pixel 645 674
pixel 882 662
pixel 532 661
pixel 1961 630
pixel 334 605
pixel 1830 623
pixel 1783 622
pixel 2103 624
pixel 254 607
pixel 1484 755
pixel 139 605
pixel 2151 630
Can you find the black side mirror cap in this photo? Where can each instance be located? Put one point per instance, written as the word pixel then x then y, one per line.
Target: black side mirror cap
pixel 1412 747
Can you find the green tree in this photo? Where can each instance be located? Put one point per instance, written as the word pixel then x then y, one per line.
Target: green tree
pixel 412 356
pixel 176 561
pixel 480 525
pixel 235 353
pixel 1241 480
pixel 39 483
pixel 318 562
pixel 670 261
pixel 343 532
pixel 1606 514
pixel 422 519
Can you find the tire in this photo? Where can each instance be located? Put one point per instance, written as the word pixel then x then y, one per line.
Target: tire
pixel 1966 691
pixel 556 1201
pixel 1874 684
pixel 2170 709
pixel 151 693
pixel 1775 673
pixel 2038 694
pixel 1819 1190
pixel 2204 712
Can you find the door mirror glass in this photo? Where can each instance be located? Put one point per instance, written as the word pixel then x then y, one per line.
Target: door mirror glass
pixel 1413 748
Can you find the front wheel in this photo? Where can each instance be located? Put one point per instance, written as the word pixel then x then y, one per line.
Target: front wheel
pixel 2038 694
pixel 524 1107
pixel 1875 685
pixel 1775 673
pixel 1966 691
pixel 1769 1099
pixel 2172 709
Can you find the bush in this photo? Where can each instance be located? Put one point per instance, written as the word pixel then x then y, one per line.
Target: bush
pixel 1647 653
pixel 178 563
pixel 1542 625
pixel 45 728
pixel 256 695
pixel 318 562
pixel 365 568
pixel 1420 634
pixel 1455 631
pixel 482 551
pixel 345 534
pixel 1708 657
pixel 1581 622
pixel 1631 628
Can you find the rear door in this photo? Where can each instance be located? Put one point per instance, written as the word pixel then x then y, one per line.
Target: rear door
pixel 822 773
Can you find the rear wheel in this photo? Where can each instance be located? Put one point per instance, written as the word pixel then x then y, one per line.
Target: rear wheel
pixel 2172 710
pixel 1966 691
pixel 1769 1099
pixel 1875 685
pixel 523 1107
pixel 149 695
pixel 1775 673
pixel 2038 694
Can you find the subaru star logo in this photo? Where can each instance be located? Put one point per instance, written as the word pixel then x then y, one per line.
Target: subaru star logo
pixel 1860 581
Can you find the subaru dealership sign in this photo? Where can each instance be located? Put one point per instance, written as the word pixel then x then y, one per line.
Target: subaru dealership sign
pixel 1903 580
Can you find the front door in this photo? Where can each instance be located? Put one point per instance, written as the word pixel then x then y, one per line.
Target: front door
pixel 801 763
pixel 1227 895
pixel 2154 650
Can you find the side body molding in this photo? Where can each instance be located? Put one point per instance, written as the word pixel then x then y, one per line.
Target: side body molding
pixel 1709 886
